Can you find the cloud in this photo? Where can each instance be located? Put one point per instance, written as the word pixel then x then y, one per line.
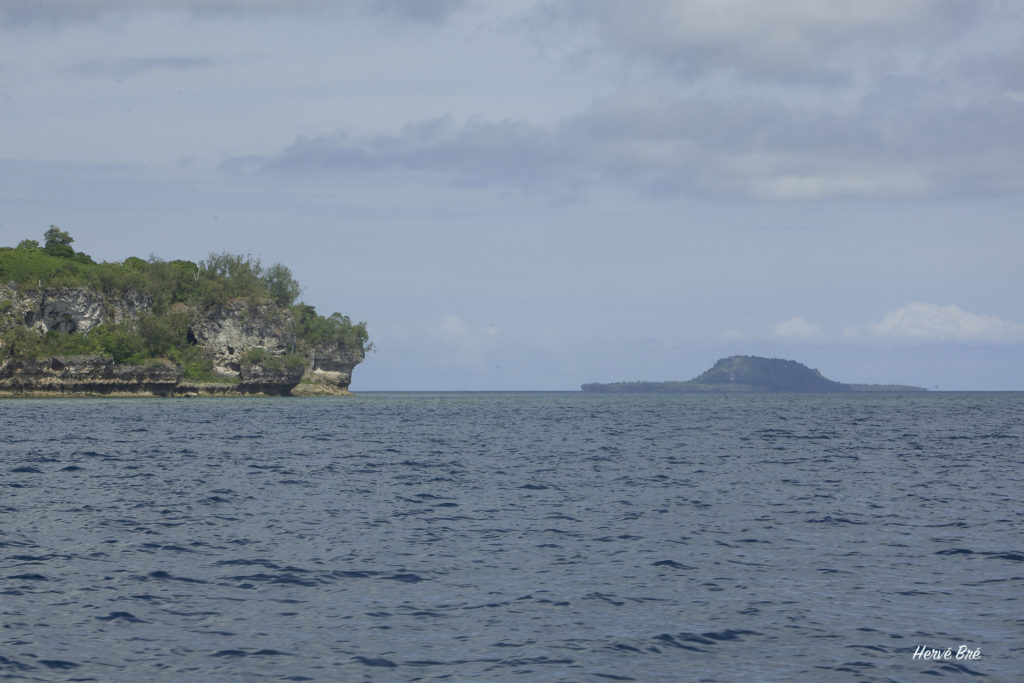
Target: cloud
pixel 796 328
pixel 804 40
pixel 502 153
pixel 802 101
pixel 30 12
pixel 923 321
pixel 905 141
pixel 33 12
pixel 137 66
pixel 419 11
pixel 759 103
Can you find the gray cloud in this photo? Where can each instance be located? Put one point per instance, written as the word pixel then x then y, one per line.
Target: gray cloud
pixel 905 140
pixel 33 12
pixel 137 66
pixel 505 153
pixel 814 41
pixel 804 101
pixel 431 12
pixel 30 12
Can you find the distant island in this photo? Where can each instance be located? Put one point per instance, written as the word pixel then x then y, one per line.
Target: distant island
pixel 223 326
pixel 749 374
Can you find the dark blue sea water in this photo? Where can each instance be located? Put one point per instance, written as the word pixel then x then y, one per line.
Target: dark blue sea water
pixel 532 537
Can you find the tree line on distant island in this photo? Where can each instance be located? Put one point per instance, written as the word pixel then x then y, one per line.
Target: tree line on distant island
pixel 743 374
pixel 174 288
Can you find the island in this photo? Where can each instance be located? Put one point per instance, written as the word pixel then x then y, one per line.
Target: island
pixel 747 374
pixel 223 326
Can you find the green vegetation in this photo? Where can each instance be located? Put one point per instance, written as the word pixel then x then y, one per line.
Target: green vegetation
pixel 767 374
pixel 120 342
pixel 643 387
pixel 258 356
pixel 216 279
pixel 58 243
pixel 316 329
pixel 887 388
pixel 194 365
pixel 178 290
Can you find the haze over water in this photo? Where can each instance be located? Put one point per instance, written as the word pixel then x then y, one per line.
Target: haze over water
pixel 555 537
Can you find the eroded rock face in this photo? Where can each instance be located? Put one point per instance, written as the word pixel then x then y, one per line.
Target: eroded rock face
pixel 71 310
pixel 272 382
pixel 332 365
pixel 227 332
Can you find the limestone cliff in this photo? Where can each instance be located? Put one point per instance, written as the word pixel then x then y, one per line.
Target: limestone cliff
pixel 329 369
pixel 69 310
pixel 224 325
pixel 228 331
pixel 251 347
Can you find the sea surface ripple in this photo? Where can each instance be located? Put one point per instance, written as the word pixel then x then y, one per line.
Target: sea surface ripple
pixel 548 537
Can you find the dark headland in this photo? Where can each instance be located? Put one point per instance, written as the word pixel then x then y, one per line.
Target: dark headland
pixel 223 326
pixel 750 374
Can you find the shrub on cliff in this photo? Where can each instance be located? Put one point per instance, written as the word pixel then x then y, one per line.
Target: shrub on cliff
pixel 20 343
pixel 161 333
pixel 120 342
pixel 194 365
pixel 255 356
pixel 30 266
pixel 227 276
pixel 258 356
pixel 58 243
pixel 281 286
pixel 213 281
pixel 315 329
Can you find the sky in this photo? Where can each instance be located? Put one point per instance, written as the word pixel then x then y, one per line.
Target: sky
pixel 535 194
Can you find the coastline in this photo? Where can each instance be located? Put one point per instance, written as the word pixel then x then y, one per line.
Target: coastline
pixel 183 390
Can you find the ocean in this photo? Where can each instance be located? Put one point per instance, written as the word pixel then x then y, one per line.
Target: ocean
pixel 513 536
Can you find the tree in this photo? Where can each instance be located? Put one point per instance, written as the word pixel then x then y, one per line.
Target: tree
pixel 231 275
pixel 281 285
pixel 58 242
pixel 312 328
pixel 161 333
pixel 20 342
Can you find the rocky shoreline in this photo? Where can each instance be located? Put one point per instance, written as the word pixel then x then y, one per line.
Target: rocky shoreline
pixel 98 376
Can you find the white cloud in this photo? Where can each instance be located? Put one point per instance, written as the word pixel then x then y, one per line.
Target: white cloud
pixel 919 320
pixel 796 328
